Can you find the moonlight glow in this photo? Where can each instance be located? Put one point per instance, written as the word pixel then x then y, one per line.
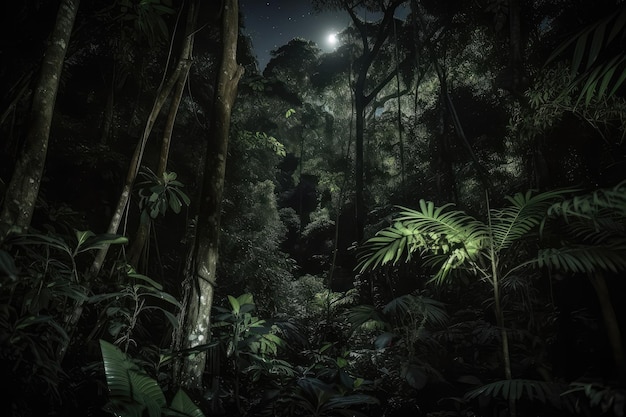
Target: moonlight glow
pixel 332 39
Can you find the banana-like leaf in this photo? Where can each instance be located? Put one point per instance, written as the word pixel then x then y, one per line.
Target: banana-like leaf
pixel 128 384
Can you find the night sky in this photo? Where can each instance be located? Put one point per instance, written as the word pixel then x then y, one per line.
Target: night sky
pixel 273 23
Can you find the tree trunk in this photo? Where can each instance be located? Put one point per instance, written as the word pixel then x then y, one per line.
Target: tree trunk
pixel 23 189
pixel 363 99
pixel 143 230
pixel 198 315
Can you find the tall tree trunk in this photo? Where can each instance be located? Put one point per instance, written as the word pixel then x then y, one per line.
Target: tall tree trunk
pixel 515 44
pixel 197 331
pixel 143 230
pixel 362 99
pixel 23 189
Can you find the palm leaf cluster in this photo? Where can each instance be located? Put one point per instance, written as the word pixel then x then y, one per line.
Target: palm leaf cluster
pixel 436 233
pixel 451 239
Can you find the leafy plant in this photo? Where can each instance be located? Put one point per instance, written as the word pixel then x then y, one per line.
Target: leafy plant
pixel 592 241
pixel 600 396
pixel 124 307
pixel 452 241
pixel 593 233
pixel 40 281
pixel 157 194
pixel 147 17
pixel 250 342
pixel 132 392
pixel 316 398
pixel 401 326
pixel 516 389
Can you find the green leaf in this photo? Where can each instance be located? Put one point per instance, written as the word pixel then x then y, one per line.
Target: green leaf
pixel 183 404
pixel 83 236
pixel 175 204
pixel 415 377
pixel 128 383
pixel 101 240
pixel 7 265
pixel 234 302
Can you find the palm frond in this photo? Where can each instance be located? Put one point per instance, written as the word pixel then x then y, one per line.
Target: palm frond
pixel 585 258
pixel 390 245
pixel 514 389
pixel 598 204
pixel 596 231
pixel 365 317
pixel 434 222
pixel 434 311
pixel 431 229
pixel 525 212
pixel 604 66
pixel 430 310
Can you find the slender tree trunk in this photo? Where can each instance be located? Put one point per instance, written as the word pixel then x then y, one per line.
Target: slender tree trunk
pixel 359 105
pixel 495 282
pixel 515 44
pixel 23 189
pixel 399 112
pixel 143 230
pixel 197 331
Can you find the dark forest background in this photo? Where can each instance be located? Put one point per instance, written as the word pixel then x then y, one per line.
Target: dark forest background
pixel 427 221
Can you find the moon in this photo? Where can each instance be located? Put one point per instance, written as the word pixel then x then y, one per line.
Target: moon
pixel 332 39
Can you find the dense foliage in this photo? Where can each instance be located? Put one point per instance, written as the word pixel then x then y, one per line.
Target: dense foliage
pixel 428 221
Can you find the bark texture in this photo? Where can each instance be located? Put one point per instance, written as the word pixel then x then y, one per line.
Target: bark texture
pixel 198 315
pixel 23 189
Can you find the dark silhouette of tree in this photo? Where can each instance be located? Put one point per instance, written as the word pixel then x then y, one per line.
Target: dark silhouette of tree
pixel 373 37
pixel 23 189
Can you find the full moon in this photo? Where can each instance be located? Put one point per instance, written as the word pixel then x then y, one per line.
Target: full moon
pixel 332 39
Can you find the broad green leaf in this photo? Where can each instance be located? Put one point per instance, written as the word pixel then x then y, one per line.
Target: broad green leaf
pixel 234 304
